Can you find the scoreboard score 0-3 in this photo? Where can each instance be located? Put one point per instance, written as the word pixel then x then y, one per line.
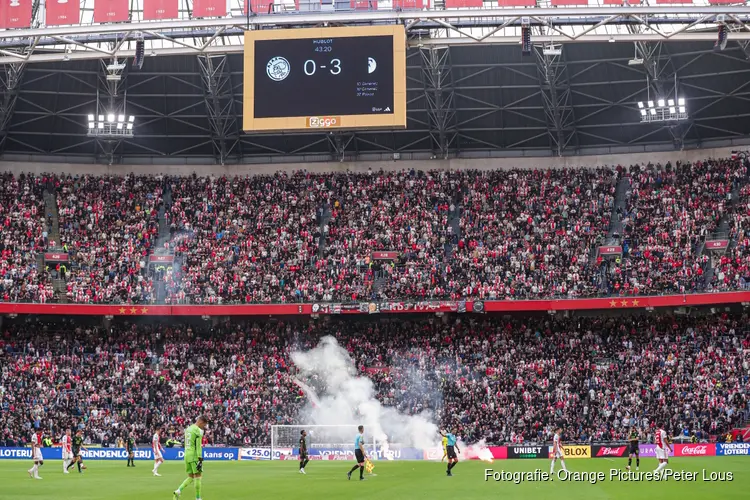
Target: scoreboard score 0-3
pixel 325 78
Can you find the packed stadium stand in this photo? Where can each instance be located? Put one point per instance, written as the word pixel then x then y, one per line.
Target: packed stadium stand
pixel 316 237
pixel 309 237
pixel 496 378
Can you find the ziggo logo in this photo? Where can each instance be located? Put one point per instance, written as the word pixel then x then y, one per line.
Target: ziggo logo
pixel 324 121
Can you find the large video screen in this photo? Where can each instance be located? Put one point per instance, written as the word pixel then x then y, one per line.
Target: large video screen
pixel 328 78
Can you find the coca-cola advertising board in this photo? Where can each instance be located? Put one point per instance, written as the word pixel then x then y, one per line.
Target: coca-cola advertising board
pixel 609 451
pixel 695 450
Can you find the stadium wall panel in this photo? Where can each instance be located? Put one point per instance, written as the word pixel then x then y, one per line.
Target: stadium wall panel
pixel 610 303
pixel 525 162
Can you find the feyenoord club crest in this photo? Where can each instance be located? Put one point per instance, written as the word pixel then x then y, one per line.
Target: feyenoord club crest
pixel 278 69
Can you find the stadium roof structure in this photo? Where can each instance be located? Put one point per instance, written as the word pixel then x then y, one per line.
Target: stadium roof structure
pixel 470 91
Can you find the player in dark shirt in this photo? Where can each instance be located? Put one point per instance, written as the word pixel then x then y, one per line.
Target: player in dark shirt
pixel 303 452
pixel 633 439
pixel 76 447
pixel 130 446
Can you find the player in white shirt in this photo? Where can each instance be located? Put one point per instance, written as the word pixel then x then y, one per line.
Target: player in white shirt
pixel 67 451
pixel 157 449
pixel 36 454
pixel 663 448
pixel 557 451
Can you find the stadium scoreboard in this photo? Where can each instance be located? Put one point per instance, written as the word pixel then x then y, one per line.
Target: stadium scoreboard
pixel 325 78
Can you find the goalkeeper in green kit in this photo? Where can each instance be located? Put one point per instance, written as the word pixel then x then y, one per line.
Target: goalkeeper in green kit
pixel 193 457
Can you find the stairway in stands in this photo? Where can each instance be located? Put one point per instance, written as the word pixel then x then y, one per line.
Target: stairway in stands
pixel 323 215
pixel 53 234
pixel 164 234
pixel 52 218
pixel 614 236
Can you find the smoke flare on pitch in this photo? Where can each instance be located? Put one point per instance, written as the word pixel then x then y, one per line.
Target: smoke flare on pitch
pixel 345 398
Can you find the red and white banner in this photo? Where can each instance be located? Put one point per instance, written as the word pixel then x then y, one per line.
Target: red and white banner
pixel 387 255
pixel 111 11
pixel 717 244
pixel 610 250
pixel 499 452
pixel 504 306
pixel 15 14
pixel 61 12
pixel 209 8
pixel 153 10
pixel 166 259
pixel 695 450
pixel 56 257
pixel 261 6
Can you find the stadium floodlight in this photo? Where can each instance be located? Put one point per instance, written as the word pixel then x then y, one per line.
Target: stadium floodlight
pixel 664 110
pixel 640 104
pixel 112 126
pixel 91 118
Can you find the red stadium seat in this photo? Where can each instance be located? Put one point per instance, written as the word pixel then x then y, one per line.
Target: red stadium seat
pixel 565 3
pixel 364 4
pixel 516 3
pixel 458 4
pixel 410 4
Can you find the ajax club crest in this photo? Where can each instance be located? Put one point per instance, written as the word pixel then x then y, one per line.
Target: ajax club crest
pixel 278 69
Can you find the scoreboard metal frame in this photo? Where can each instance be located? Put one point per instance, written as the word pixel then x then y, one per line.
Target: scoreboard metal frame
pixel 396 119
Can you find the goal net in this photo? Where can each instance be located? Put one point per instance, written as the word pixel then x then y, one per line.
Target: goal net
pixel 285 438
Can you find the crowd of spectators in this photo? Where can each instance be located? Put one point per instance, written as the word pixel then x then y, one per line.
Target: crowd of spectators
pixel 23 236
pixel 108 226
pixel 499 379
pixel 406 212
pixel 531 233
pixel 312 237
pixel 671 212
pixel 250 239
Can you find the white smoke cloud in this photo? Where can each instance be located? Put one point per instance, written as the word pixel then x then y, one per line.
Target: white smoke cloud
pixel 342 397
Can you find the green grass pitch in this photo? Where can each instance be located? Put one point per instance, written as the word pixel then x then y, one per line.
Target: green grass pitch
pixel 393 481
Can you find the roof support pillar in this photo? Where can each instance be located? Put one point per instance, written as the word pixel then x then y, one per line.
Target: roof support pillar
pixel 220 105
pixel 437 80
pixel 10 81
pixel 556 97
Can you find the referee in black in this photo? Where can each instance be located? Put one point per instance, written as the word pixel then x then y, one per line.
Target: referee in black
pixel 303 452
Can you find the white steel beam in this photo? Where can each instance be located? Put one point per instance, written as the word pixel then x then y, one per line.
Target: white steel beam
pixel 366 17
pixel 82 55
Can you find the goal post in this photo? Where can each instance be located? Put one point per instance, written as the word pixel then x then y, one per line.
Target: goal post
pixel 336 437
